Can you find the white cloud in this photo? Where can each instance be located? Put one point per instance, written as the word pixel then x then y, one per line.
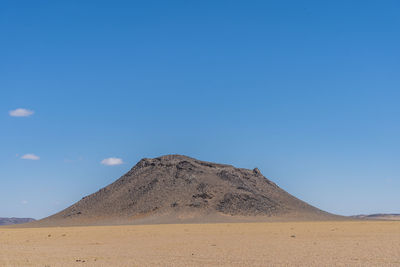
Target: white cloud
pixel 30 156
pixel 112 161
pixel 24 202
pixel 21 112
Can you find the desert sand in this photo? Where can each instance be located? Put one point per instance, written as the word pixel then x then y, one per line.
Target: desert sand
pixel 329 243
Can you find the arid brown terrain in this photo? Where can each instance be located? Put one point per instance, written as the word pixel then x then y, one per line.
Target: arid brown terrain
pixel 197 214
pixel 329 243
pixel 179 189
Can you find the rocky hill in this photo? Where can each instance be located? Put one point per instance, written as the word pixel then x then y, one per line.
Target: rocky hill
pixel 176 188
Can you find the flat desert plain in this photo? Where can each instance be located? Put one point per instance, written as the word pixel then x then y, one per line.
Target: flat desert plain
pixel 329 243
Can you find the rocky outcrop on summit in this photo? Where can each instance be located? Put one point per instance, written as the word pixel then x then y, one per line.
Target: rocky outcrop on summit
pixel 177 188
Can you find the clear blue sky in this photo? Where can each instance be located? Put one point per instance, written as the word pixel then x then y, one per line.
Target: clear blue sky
pixel 307 91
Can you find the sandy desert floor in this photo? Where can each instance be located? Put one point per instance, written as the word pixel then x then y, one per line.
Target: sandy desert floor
pixel 334 243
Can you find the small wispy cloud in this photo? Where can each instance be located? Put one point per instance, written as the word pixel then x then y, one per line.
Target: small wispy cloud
pixel 21 112
pixel 30 157
pixel 24 202
pixel 112 161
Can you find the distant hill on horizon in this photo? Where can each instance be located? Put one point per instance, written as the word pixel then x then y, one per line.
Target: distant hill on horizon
pixel 10 221
pixel 177 189
pixel 379 216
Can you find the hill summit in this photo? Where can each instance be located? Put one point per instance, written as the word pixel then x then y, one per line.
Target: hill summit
pixel 176 188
